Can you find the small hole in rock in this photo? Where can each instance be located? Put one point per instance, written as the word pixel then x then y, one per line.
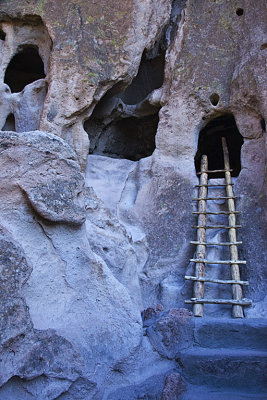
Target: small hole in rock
pixel 2 35
pixel 239 11
pixel 105 248
pixel 264 46
pixel 263 125
pixel 214 99
pixel 9 124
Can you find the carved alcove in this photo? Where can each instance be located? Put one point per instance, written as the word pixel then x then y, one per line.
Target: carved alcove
pixel 26 47
pixel 124 123
pixel 210 143
pixel 24 68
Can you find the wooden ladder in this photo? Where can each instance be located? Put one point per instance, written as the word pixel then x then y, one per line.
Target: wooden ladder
pixel 198 300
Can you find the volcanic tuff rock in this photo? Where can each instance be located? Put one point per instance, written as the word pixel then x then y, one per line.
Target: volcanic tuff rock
pixel 101 107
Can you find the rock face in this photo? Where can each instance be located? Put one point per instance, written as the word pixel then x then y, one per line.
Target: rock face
pixel 174 386
pixel 101 110
pixel 172 333
pixel 63 285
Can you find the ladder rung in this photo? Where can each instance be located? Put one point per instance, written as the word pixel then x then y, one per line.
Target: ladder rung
pixel 217 226
pixel 229 282
pixel 243 302
pixel 219 184
pixel 216 213
pixel 199 260
pixel 215 198
pixel 215 244
pixel 214 171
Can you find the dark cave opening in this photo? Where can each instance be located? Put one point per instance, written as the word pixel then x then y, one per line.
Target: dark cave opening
pixel 124 123
pixel 263 124
pixel 10 124
pixel 131 138
pixel 150 77
pixel 210 143
pixel 24 68
pixel 239 12
pixel 2 34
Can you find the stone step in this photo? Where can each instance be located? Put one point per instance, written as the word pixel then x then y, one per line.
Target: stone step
pixel 244 370
pixel 247 333
pixel 206 393
pixel 229 355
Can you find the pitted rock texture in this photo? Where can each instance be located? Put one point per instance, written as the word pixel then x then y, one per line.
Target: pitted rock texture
pixel 51 183
pixel 172 332
pixel 26 105
pixel 14 268
pixel 67 286
pixel 97 179
pixel 174 386
pixel 105 48
pixel 26 353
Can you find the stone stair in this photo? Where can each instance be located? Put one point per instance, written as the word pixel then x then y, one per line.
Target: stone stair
pixel 227 361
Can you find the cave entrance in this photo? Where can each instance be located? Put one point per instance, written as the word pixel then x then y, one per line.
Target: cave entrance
pixel 210 143
pixel 10 124
pixel 130 138
pixel 24 68
pixel 124 123
pixel 150 77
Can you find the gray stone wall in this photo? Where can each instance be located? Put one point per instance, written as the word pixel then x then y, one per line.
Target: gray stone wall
pixel 97 180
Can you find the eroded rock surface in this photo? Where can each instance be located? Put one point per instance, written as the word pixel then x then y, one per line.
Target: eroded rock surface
pixel 101 109
pixel 64 279
pixel 51 182
pixel 174 386
pixel 40 360
pixel 172 333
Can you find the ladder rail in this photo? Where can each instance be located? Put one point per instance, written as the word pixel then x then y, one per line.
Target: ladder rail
pixel 198 287
pixel 237 294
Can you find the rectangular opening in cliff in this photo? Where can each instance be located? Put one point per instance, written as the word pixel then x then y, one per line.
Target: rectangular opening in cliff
pixel 210 143
pixel 131 138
